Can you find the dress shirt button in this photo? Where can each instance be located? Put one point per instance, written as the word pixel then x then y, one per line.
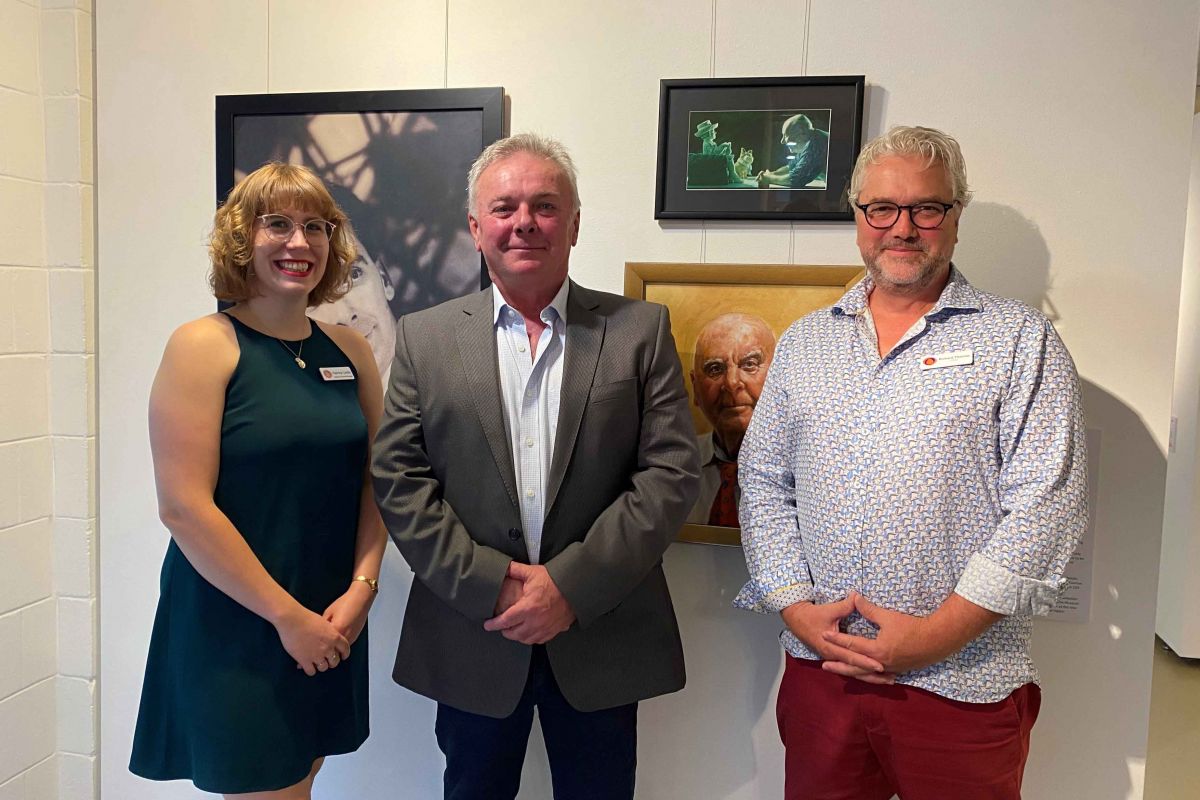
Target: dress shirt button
pixel 529 492
pixel 514 534
pixel 520 348
pixel 529 441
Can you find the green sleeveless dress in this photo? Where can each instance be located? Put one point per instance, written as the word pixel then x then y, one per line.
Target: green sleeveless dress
pixel 223 704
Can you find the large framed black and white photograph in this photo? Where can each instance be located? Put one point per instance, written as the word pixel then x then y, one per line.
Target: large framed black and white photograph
pixel 758 148
pixel 396 162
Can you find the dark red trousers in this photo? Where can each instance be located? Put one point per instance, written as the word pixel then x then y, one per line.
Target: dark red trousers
pixel 849 740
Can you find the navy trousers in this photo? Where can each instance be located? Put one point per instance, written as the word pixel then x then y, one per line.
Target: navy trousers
pixel 593 754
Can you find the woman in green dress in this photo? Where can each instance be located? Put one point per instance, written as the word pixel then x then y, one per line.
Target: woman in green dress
pixel 260 423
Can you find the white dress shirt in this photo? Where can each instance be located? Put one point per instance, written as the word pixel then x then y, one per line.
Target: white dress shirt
pixel 530 387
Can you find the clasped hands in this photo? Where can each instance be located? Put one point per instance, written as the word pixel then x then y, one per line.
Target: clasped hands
pixel 530 608
pixel 319 642
pixel 903 643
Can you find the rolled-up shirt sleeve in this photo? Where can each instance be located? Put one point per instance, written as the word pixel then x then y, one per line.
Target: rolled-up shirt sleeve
pixel 1043 482
pixel 779 573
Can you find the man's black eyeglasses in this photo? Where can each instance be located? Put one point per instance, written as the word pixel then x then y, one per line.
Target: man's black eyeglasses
pixel 926 216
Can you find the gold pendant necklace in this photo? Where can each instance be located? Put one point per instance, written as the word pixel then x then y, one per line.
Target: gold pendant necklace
pixel 295 354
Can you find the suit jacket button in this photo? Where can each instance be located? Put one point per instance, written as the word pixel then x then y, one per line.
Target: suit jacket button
pixel 514 534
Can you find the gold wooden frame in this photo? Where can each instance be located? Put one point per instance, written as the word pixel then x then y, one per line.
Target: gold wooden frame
pixel 779 293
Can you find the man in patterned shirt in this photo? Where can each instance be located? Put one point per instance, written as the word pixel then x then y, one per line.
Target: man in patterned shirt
pixel 913 485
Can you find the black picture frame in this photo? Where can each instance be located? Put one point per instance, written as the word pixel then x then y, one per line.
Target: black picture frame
pixel 397 163
pixel 711 181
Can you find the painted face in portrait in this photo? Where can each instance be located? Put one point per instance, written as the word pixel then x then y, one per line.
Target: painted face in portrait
pixel 733 353
pixel 903 257
pixel 525 223
pixel 365 308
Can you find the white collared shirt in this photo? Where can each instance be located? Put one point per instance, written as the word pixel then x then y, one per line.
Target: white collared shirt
pixel 530 390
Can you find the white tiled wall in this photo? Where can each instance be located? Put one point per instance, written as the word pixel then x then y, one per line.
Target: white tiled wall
pixel 47 391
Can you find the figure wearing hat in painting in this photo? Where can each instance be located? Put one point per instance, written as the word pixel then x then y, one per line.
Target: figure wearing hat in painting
pixel 714 165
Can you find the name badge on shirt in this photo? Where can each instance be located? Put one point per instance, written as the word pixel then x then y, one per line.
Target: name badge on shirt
pixel 337 373
pixel 954 358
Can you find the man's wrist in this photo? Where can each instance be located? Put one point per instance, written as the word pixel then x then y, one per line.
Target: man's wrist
pixel 954 624
pixel 794 607
pixel 793 618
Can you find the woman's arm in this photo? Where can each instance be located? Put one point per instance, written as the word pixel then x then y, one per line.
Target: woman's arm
pixel 187 402
pixel 348 613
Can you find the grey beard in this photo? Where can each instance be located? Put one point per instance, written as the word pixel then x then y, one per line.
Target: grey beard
pixel 930 272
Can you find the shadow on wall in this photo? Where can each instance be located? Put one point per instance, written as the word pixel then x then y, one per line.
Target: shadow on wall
pixel 1092 674
pixel 1003 252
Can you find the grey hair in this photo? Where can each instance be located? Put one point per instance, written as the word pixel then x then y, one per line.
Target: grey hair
pixel 535 144
pixel 928 143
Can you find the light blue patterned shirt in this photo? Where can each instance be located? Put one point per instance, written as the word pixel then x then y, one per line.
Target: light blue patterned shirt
pixel 955 464
pixel 530 390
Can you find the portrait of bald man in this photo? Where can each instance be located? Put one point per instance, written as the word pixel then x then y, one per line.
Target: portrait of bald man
pixel 733 352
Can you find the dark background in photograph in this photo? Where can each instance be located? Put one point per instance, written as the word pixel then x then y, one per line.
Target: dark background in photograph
pixel 760 131
pixel 419 236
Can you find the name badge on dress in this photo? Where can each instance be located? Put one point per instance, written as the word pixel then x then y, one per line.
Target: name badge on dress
pixel 337 373
pixel 954 358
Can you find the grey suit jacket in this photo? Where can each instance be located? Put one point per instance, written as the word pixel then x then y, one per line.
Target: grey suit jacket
pixel 623 477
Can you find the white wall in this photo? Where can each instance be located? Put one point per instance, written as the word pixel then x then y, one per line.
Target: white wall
pixel 1076 128
pixel 27 613
pixel 47 424
pixel 1178 591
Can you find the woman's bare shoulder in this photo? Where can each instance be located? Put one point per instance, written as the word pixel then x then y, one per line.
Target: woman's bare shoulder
pixel 208 344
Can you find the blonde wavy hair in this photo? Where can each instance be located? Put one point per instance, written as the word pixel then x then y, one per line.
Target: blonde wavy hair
pixel 269 189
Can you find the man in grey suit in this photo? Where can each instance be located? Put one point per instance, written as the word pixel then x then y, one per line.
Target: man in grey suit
pixel 535 460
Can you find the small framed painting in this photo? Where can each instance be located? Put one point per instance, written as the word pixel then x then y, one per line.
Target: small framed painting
pixel 758 148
